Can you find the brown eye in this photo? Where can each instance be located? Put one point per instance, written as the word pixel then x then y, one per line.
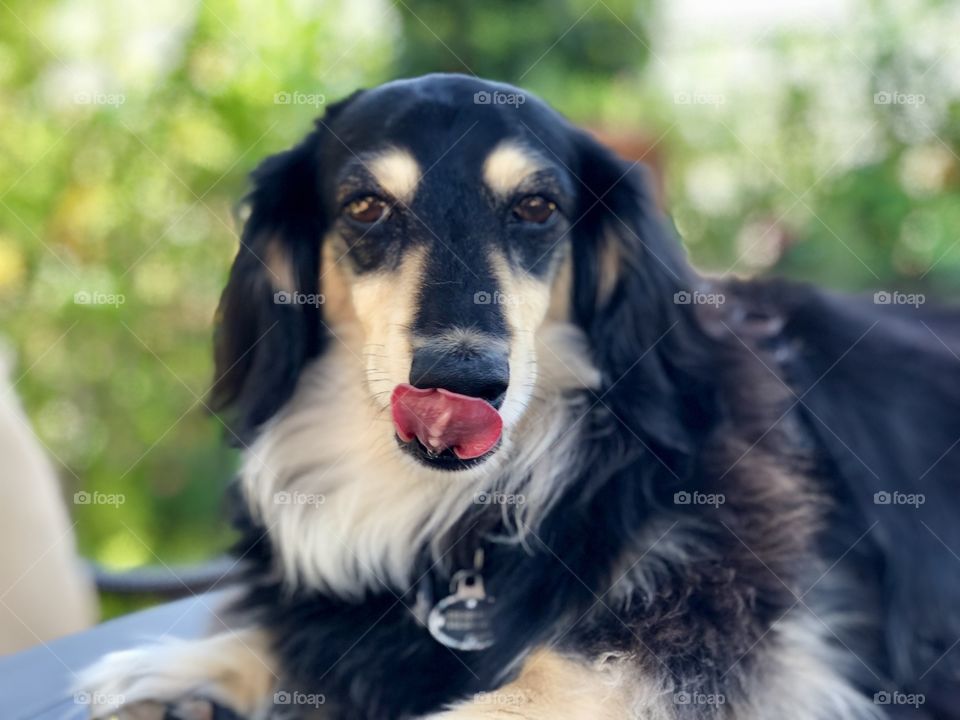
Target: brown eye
pixel 368 209
pixel 534 209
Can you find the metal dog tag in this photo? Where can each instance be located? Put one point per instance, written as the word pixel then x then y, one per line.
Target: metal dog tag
pixel 462 619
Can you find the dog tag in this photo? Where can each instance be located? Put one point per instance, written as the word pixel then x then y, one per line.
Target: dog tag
pixel 462 619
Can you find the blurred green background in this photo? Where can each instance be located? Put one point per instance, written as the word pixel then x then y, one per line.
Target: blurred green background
pixel 814 139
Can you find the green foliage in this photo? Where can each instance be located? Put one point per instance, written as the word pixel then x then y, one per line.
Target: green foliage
pixel 129 130
pixel 123 164
pixel 530 42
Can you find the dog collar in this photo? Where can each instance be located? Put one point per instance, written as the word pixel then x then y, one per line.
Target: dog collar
pixel 463 619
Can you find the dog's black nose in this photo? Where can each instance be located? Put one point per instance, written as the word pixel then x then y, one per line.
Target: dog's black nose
pixel 477 374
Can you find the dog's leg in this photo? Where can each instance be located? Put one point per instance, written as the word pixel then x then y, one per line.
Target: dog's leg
pixel 552 686
pixel 234 670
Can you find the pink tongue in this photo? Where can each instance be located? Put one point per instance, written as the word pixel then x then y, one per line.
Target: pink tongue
pixel 443 420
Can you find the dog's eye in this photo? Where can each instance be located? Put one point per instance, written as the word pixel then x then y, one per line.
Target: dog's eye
pixel 534 209
pixel 368 209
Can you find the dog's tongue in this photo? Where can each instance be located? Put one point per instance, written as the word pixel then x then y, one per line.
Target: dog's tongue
pixel 443 420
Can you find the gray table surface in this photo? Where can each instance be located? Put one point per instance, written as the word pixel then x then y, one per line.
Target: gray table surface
pixel 37 683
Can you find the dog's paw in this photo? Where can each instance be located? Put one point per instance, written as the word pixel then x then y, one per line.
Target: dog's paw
pixel 178 680
pixel 189 709
pixel 200 709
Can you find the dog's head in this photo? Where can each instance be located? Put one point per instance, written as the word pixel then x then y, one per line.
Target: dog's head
pixel 435 227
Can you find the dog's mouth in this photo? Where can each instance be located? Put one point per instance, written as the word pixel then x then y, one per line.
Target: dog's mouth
pixel 444 429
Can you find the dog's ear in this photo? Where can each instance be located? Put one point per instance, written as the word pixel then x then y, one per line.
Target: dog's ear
pixel 269 319
pixel 630 283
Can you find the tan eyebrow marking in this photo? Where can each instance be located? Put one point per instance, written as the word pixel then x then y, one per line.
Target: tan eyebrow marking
pixel 397 172
pixel 507 166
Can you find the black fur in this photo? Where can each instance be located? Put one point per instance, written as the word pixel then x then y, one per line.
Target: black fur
pixel 794 404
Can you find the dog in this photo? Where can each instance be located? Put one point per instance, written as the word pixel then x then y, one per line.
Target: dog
pixel 508 455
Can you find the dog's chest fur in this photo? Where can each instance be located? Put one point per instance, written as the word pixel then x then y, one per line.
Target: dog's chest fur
pixel 347 513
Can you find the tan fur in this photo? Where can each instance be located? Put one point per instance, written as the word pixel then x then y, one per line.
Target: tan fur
pixel 279 267
pixel 385 304
pixel 610 261
pixel 507 166
pixel 338 308
pixel 397 172
pixel 561 293
pixel 553 686
pixel 525 300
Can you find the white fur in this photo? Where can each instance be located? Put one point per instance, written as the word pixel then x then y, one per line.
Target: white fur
pixel 802 676
pixel 358 504
pixel 235 669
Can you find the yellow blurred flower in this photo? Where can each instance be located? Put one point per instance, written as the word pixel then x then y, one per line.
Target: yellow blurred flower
pixel 12 266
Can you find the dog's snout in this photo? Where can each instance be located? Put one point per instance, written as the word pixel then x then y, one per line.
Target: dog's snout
pixel 477 374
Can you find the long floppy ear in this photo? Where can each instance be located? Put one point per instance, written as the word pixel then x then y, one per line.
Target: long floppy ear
pixel 269 320
pixel 630 280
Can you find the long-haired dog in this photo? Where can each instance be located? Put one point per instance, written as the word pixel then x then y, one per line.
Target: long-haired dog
pixel 508 456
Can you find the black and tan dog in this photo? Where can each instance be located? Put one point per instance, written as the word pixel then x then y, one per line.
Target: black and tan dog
pixel 510 457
